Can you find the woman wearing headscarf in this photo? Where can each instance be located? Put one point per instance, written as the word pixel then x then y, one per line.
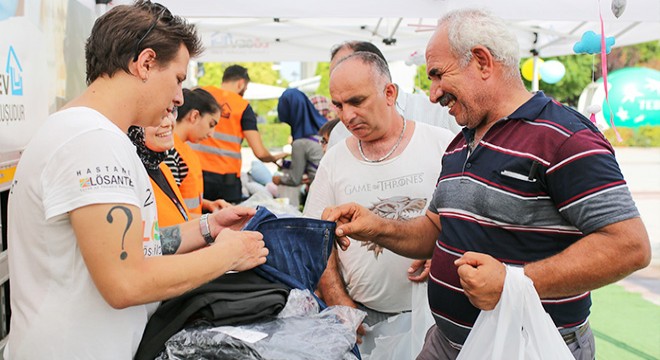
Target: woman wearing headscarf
pixel 151 144
pixel 295 109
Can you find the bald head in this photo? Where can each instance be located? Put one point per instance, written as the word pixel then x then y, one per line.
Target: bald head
pixel 373 62
pixel 364 95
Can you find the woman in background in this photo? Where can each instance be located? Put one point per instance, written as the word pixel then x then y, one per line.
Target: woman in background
pixel 295 109
pixel 195 121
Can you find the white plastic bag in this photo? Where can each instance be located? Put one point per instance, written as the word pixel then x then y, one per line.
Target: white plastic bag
pixel 518 327
pixel 401 336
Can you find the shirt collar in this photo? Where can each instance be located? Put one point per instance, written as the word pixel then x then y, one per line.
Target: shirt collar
pixel 532 108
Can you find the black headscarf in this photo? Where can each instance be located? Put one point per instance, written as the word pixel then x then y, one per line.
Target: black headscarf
pixel 150 158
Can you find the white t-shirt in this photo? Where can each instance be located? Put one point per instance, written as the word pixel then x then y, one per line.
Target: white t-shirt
pixel 76 159
pixel 416 107
pixel 397 188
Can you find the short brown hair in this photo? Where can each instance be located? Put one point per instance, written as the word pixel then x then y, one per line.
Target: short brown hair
pixel 235 72
pixel 114 39
pixel 326 129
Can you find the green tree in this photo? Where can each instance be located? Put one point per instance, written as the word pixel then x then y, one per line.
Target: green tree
pixel 323 69
pixel 422 82
pixel 643 55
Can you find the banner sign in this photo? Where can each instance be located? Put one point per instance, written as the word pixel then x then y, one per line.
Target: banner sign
pixel 23 84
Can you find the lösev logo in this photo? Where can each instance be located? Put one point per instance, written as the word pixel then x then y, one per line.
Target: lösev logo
pixel 11 80
pixel 11 85
pixel 108 176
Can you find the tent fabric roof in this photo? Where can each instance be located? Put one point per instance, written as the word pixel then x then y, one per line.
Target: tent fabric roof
pixel 563 10
pixel 299 30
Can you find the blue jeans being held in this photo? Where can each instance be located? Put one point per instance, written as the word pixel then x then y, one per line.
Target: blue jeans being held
pixel 298 248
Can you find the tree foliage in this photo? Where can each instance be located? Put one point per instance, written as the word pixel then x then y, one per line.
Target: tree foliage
pixel 642 55
pixel 422 82
pixel 323 69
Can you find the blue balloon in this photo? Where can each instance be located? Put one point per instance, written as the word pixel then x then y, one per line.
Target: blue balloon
pixel 8 8
pixel 552 71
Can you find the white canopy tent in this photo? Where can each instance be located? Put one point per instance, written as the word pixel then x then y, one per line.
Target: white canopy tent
pixel 299 30
pixel 257 91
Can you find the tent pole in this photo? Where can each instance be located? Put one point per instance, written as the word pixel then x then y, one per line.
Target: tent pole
pixel 535 73
pixel 535 63
pixel 101 7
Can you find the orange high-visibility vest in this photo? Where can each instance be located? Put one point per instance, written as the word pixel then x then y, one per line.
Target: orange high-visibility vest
pixel 192 186
pixel 168 212
pixel 221 153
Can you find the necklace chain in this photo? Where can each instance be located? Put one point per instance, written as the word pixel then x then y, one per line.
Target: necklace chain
pixel 389 152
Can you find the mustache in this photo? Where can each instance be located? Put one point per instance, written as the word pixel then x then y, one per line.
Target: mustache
pixel 446 99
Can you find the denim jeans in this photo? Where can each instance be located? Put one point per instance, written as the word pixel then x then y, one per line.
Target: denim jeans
pixel 298 248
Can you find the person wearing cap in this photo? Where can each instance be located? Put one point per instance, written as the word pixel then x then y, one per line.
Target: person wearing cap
pixel 220 154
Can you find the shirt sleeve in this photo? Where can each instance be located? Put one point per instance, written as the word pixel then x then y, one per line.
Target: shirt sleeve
pixel 74 178
pixel 586 184
pixel 177 166
pixel 249 119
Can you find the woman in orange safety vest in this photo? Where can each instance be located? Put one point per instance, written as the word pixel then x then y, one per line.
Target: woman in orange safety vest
pixel 196 119
pixel 151 144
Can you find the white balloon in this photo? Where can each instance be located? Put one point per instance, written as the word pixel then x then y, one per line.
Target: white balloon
pixel 552 71
pixel 593 109
pixel 618 6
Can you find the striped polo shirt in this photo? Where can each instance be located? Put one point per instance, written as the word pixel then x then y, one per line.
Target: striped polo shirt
pixel 538 181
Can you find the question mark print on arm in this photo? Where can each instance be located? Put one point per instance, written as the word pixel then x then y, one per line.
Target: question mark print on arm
pixel 129 221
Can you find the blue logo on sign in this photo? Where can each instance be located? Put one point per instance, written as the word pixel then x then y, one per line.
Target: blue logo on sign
pixel 15 71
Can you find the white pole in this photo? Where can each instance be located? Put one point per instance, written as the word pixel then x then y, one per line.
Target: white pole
pixel 101 9
pixel 535 69
pixel 535 73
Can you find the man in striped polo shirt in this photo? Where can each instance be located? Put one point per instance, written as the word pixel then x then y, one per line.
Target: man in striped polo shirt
pixel 528 183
